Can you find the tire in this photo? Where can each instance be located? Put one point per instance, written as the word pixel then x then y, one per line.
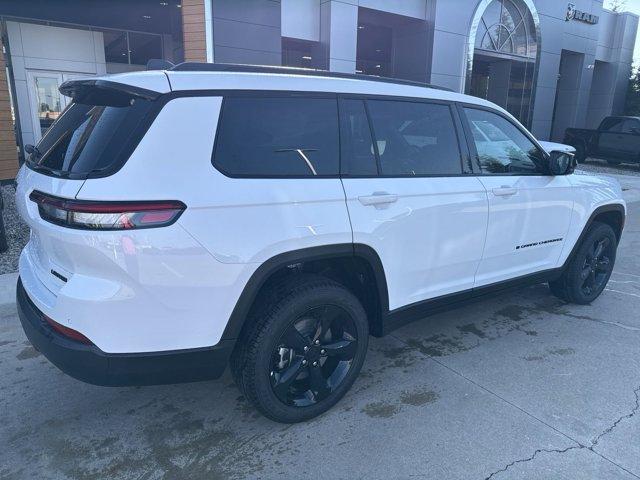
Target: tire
pixel 581 153
pixel 588 272
pixel 278 366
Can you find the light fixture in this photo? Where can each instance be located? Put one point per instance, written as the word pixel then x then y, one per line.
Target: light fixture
pixel 360 27
pixel 164 4
pixel 306 57
pixel 378 66
pixel 358 71
pixel 146 17
pixel 378 50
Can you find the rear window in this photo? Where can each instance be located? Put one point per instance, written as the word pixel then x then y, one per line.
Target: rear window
pixel 89 139
pixel 278 137
pixel 415 138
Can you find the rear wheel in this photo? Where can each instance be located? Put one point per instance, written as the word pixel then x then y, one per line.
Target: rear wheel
pixel 588 272
pixel 304 352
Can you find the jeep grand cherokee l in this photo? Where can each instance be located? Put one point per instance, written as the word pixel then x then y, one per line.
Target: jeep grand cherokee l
pixel 272 220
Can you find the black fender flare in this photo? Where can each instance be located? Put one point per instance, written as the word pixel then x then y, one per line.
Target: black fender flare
pixel 611 207
pixel 269 267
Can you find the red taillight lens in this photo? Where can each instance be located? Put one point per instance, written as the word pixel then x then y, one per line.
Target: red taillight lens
pixel 92 215
pixel 67 332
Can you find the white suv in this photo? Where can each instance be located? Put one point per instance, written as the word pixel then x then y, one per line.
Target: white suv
pixel 272 219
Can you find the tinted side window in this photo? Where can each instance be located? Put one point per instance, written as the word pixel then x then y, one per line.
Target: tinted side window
pixel 631 126
pixel 415 138
pixel 356 144
pixel 501 146
pixel 278 137
pixel 611 125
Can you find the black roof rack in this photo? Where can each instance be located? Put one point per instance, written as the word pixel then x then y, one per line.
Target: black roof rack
pixel 232 67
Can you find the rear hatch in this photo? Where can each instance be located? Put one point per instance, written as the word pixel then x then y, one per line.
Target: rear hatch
pixel 92 138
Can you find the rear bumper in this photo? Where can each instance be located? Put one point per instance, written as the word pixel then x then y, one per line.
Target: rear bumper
pixel 90 364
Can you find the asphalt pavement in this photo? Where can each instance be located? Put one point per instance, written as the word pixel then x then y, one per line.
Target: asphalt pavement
pixel 518 386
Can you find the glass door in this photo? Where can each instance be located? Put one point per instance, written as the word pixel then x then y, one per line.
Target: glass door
pixel 46 100
pixel 47 103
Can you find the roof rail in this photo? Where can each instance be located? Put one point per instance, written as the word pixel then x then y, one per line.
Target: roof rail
pixel 232 67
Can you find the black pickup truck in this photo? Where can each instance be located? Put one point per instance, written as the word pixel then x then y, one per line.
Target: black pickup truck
pixel 617 140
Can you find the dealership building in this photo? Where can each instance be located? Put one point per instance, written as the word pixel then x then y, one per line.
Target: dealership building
pixel 552 64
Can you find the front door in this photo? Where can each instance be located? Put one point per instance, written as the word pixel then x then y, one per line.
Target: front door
pixel 529 211
pixel 407 196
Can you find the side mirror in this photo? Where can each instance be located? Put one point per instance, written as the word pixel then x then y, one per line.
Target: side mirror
pixel 561 163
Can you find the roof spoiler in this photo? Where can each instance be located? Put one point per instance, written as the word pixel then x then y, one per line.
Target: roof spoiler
pixel 97 91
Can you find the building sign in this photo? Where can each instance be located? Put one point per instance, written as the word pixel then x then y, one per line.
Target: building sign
pixel 573 14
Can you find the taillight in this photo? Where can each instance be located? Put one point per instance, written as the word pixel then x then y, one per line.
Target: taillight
pixel 67 332
pixel 95 215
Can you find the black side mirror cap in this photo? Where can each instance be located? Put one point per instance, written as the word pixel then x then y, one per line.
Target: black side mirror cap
pixel 561 163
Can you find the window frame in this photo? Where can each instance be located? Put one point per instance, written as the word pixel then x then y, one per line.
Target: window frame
pixel 463 150
pixel 477 169
pixel 274 94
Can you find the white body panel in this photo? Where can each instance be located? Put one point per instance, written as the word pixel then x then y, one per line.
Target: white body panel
pixel 429 240
pixel 175 287
pixel 534 209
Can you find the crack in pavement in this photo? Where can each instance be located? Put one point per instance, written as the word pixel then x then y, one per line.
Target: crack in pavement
pixel 579 446
pixel 635 409
pixel 528 459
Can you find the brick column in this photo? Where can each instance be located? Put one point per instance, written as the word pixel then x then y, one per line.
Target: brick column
pixel 193 30
pixel 8 151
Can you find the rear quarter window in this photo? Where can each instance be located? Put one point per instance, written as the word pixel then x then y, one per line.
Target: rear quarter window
pixel 278 137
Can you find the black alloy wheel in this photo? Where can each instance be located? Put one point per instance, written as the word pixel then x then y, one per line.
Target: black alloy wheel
pixel 597 266
pixel 313 356
pixel 304 347
pixel 588 270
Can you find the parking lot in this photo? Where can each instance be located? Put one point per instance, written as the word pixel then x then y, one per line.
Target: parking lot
pixel 517 386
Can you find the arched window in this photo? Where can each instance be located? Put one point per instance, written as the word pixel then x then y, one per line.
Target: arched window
pixel 507 29
pixel 503 55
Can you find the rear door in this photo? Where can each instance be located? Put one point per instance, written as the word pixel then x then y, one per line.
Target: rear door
pixel 609 137
pixel 629 146
pixel 409 197
pixel 529 210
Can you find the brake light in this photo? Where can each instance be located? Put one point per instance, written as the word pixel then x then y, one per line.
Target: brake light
pixel 67 332
pixel 95 215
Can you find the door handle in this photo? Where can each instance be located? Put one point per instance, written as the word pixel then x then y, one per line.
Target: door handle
pixel 505 191
pixel 378 199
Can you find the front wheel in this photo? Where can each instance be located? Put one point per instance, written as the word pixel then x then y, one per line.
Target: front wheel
pixel 304 352
pixel 581 153
pixel 588 272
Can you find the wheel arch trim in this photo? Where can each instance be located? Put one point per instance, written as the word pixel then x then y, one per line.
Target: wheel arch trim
pixel 262 274
pixel 610 207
